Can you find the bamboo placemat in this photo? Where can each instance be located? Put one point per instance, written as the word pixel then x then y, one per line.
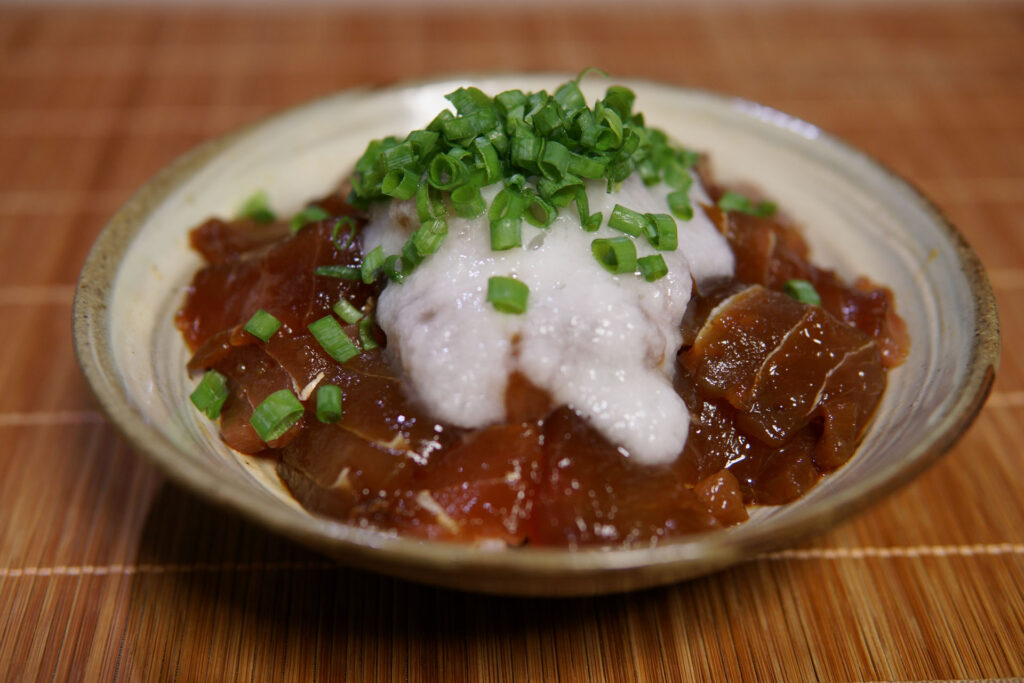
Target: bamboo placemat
pixel 107 572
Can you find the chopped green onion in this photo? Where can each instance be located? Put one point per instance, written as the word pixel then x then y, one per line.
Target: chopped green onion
pixel 392 270
pixel 446 172
pixel 508 203
pixel 210 394
pixel 539 211
pixel 587 167
pixel 428 203
pixel 257 208
pixel 400 183
pixel 560 192
pixel 340 221
pixel 310 214
pixel 428 237
pixel 507 294
pixel 554 160
pixel 506 233
pixel 411 256
pixel 662 232
pixel 617 255
pixel 333 339
pixel 489 161
pixel 372 264
pixel 366 337
pixel 734 201
pixel 468 100
pixel 803 291
pixel 328 403
pixel 399 156
pixel 340 272
pixel 548 119
pixel 620 99
pixel 679 205
pixel 276 415
pixel 423 142
pixel 347 312
pixel 628 221
pixel 677 176
pixel 470 125
pixel 570 98
pixel 588 221
pixel 509 100
pixel 652 267
pixel 262 325
pixel 526 149
pixel 468 202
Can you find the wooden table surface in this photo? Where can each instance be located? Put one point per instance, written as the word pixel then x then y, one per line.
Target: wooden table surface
pixel 107 572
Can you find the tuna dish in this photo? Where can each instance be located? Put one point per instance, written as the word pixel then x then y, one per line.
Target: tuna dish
pixel 535 321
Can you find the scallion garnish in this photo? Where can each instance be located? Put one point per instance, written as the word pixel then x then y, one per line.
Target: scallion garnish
pixel 662 232
pixel 803 291
pixel 507 294
pixel 373 262
pixel 506 233
pixel 628 221
pixel 400 183
pixel 328 403
pixel 652 267
pixel 333 339
pixel 340 272
pixel 257 208
pixel 542 147
pixel 539 211
pixel 734 201
pixel 276 415
pixel 366 337
pixel 347 312
pixel 393 270
pixel 210 394
pixel 262 325
pixel 428 237
pixel 310 214
pixel 340 221
pixel 679 205
pixel 588 221
pixel 468 202
pixel 617 255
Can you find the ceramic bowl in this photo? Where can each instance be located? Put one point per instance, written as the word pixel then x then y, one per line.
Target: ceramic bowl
pixel 859 218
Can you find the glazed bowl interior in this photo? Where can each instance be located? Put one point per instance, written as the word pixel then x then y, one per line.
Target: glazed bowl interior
pixel 858 217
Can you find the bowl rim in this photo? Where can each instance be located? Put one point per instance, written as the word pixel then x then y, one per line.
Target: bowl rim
pixel 438 559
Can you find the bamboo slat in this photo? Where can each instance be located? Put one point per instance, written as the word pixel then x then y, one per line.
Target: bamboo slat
pixel 109 573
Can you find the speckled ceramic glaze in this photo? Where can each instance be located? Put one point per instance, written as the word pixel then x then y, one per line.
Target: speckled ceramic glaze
pixel 859 218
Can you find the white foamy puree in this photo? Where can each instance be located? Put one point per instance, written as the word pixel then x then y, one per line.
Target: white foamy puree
pixel 605 345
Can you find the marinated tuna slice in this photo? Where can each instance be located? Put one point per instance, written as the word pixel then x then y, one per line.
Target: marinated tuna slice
pixel 770 251
pixel 736 339
pixel 252 376
pixel 219 241
pixel 334 471
pixel 280 280
pixel 590 494
pixel 483 488
pixel 847 404
pixel 780 475
pixel 819 355
pixel 802 365
pixel 765 475
pixel 721 494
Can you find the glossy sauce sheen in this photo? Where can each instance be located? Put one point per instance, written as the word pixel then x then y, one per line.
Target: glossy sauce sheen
pixel 779 393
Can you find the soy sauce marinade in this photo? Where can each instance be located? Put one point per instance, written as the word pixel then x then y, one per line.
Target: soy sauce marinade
pixel 313 383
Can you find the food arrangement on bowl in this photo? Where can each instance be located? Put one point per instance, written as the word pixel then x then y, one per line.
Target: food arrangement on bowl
pixel 537 346
pixel 534 321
